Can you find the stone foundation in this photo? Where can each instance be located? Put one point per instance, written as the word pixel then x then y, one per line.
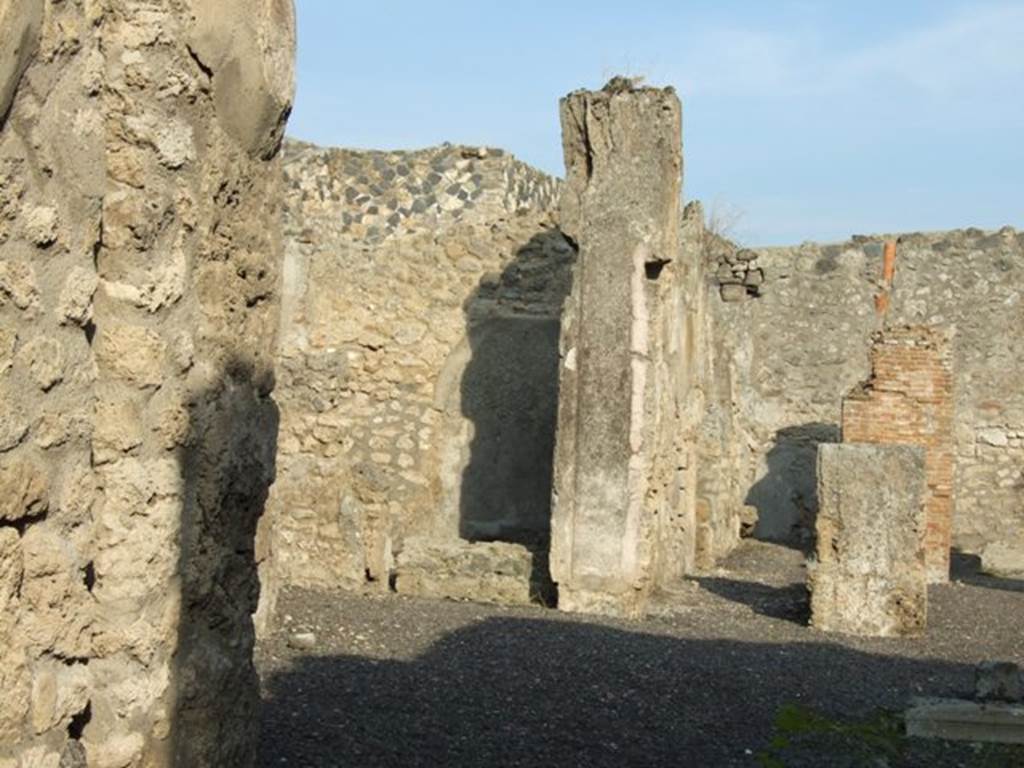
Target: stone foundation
pixel 488 572
pixel 138 284
pixel 869 577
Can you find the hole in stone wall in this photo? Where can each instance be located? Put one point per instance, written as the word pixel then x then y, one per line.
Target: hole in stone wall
pixel 654 268
pixel 90 331
pixel 369 576
pixel 89 575
pixel 78 722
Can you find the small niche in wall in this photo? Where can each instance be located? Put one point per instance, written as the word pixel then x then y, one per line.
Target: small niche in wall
pixel 654 268
pixel 89 576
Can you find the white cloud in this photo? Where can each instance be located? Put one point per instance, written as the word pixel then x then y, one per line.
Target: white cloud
pixel 972 51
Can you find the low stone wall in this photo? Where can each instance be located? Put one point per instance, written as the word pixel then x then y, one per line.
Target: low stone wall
pixel 417 369
pixel 789 355
pixel 138 280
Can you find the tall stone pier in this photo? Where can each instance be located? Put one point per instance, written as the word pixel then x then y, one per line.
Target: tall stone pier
pixel 617 505
pixel 139 190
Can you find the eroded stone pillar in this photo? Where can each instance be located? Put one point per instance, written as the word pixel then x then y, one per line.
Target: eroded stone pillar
pixel 139 250
pixel 618 462
pixel 869 577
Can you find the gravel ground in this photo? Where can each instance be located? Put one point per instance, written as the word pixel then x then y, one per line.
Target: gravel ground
pixel 734 678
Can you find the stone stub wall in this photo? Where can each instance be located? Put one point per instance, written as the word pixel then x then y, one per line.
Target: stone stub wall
pixel 417 367
pixel 869 576
pixel 909 401
pixel 138 282
pixel 787 357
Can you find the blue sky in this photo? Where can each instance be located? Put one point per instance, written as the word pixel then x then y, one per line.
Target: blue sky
pixel 802 120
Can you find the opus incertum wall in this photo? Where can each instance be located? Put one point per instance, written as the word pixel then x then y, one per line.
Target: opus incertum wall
pixel 139 190
pixel 417 364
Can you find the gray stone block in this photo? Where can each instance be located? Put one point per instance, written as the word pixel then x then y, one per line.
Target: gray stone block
pixel 1004 559
pixel 959 720
pixel 734 292
pixel 488 572
pixel 869 576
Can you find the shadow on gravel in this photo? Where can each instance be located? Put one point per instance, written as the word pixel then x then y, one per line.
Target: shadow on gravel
pixel 525 692
pixel 967 568
pixel 789 603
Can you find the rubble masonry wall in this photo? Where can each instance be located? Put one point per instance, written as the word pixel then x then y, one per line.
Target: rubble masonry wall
pixel 139 259
pixel 418 357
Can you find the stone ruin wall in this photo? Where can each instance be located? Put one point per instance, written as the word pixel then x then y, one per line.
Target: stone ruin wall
pixel 138 303
pixel 392 443
pixel 391 257
pixel 785 358
pixel 417 368
pixel 139 296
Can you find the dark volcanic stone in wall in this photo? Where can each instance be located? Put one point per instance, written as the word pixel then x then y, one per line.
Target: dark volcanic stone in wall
pixel 378 195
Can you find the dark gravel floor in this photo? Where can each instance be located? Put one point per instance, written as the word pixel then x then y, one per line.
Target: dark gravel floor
pixel 733 679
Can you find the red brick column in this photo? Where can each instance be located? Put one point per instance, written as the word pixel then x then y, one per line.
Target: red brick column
pixel 909 400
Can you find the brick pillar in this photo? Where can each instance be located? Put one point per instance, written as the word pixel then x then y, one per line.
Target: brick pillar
pixel 909 400
pixel 620 205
